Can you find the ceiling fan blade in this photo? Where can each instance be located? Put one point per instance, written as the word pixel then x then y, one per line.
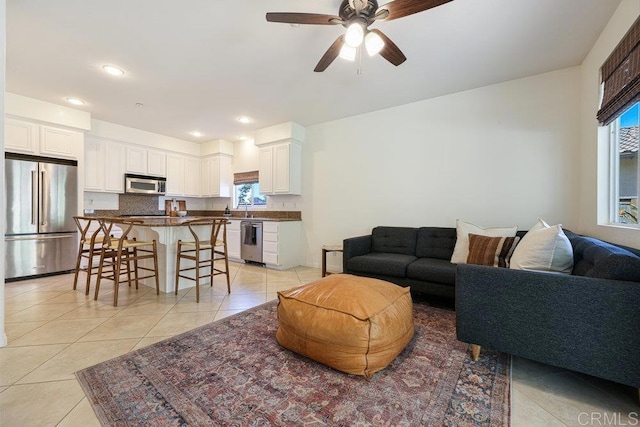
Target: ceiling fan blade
pixel 390 51
pixel 400 8
pixel 331 54
pixel 303 18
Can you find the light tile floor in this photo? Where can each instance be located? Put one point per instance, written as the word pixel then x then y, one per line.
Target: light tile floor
pixel 54 331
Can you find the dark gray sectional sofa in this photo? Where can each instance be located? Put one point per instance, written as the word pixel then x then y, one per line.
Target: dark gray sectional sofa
pixel 588 321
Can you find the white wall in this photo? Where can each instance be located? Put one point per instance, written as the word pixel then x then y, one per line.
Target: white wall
pixel 593 150
pixel 499 155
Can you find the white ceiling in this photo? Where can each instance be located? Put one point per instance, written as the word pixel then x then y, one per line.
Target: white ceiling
pixel 199 64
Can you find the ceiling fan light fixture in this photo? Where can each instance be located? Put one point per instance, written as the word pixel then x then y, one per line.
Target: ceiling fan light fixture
pixel 354 35
pixel 347 52
pixel 374 43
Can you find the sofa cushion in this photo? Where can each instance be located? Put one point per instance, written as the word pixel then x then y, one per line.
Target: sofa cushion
pixel 595 258
pixel 435 242
pixel 461 249
pixel 394 240
pixel 432 270
pixel 380 263
pixel 544 248
pixel 492 251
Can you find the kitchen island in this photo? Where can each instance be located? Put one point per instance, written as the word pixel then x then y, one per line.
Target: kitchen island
pixel 168 230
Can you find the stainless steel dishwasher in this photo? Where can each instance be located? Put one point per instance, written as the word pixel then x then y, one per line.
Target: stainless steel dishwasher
pixel 251 240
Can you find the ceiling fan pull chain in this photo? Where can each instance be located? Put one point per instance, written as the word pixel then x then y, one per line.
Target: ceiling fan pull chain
pixel 359 62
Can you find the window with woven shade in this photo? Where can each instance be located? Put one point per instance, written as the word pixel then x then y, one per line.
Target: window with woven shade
pixel 246 192
pixel 620 111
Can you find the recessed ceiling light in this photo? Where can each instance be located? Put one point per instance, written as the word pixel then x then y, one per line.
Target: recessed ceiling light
pixel 196 134
pixel 114 71
pixel 244 119
pixel 75 101
pixel 242 138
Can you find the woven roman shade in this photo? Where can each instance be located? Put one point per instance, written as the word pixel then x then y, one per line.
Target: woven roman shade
pixel 620 76
pixel 245 177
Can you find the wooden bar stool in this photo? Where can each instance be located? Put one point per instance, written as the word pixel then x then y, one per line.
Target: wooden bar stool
pixel 90 242
pixel 116 253
pixel 204 253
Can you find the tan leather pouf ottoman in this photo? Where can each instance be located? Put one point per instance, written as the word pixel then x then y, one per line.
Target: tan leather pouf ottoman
pixel 354 324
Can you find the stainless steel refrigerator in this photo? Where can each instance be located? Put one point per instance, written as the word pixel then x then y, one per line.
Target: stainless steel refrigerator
pixel 41 235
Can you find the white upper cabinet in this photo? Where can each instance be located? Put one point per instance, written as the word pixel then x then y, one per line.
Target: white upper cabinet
pixel 94 165
pixel 104 166
pixel 145 161
pixel 265 167
pixel 192 176
pixel 216 176
pixel 156 163
pixel 20 137
pixel 175 175
pixel 280 158
pixel 114 157
pixel 183 175
pixel 281 169
pixel 31 138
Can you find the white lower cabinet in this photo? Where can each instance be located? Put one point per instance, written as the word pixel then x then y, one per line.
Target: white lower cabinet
pixel 233 240
pixel 281 244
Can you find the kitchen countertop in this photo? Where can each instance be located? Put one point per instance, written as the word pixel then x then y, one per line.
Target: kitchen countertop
pixel 166 221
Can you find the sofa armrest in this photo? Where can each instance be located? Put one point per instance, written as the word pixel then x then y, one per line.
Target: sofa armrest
pixel 580 323
pixel 354 246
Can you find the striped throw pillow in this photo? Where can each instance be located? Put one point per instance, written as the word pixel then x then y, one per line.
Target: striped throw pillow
pixel 493 251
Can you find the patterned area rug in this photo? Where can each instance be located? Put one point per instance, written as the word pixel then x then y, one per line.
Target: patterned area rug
pixel 233 372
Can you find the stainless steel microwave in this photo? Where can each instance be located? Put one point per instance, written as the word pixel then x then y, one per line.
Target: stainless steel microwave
pixel 141 184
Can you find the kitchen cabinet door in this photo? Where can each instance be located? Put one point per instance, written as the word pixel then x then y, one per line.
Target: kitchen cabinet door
pixel 281 169
pixel 136 160
pixel 156 163
pixel 59 143
pixel 216 176
pixel 192 176
pixel 233 240
pixel 30 138
pixel 175 175
pixel 281 244
pixel 114 158
pixel 93 165
pixel 104 166
pixel 265 166
pixel 20 137
pixel 146 162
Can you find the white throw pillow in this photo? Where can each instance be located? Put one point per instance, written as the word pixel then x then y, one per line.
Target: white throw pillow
pixel 544 248
pixel 461 250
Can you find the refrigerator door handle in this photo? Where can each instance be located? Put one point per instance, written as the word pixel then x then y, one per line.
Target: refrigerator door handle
pixel 38 237
pixel 43 189
pixel 34 196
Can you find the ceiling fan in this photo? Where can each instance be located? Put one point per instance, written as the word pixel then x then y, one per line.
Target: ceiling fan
pixel 356 16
